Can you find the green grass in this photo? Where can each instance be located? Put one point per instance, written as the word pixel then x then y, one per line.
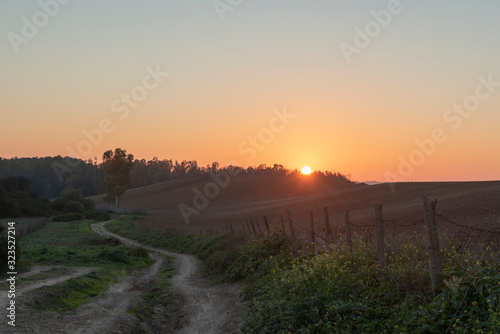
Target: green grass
pixel 75 292
pixel 339 291
pixel 214 250
pixel 51 273
pixel 157 293
pixel 75 244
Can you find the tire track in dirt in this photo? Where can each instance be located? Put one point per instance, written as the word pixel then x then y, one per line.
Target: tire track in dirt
pixel 77 272
pixel 108 312
pixel 202 308
pixel 104 314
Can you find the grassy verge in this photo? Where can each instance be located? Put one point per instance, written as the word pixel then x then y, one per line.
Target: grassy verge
pixel 343 291
pixel 75 244
pixel 157 293
pixel 75 292
pixel 215 250
pixel 22 281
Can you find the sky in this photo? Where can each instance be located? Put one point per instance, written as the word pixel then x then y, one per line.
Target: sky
pixel 381 90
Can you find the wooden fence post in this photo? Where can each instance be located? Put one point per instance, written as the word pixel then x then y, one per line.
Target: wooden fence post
pixel 283 224
pixel 348 230
pixel 313 237
pixel 328 231
pixel 379 231
pixel 258 226
pixel 267 225
pixel 253 228
pixel 292 233
pixel 432 241
pixel 231 229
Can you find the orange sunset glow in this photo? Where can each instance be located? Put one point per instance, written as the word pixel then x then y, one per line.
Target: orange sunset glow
pixel 239 166
pixel 164 83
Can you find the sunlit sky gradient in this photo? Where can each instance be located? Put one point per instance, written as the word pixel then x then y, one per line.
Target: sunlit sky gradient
pixel 226 78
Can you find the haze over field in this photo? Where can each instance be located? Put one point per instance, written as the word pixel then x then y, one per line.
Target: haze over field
pixel 382 90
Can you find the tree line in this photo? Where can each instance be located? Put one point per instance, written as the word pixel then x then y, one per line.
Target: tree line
pixel 51 175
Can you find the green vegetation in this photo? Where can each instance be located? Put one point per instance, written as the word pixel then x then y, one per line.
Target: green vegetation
pixel 22 281
pixel 51 175
pixel 72 293
pixel 75 244
pixel 117 177
pixel 73 206
pixel 343 291
pixel 214 250
pixel 69 217
pixel 18 199
pixel 157 293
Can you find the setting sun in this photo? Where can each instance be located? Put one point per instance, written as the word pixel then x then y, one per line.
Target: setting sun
pixel 306 170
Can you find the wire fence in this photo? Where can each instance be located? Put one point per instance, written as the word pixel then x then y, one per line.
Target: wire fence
pixel 27 226
pixel 313 230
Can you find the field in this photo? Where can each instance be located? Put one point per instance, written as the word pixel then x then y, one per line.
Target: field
pixel 470 203
pixel 338 289
pixel 333 289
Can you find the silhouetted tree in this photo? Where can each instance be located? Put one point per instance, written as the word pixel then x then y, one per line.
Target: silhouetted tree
pixel 117 177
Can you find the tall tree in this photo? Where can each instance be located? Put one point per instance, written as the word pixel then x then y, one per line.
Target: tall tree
pixel 117 176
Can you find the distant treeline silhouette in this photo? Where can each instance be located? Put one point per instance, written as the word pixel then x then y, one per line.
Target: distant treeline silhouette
pixel 51 175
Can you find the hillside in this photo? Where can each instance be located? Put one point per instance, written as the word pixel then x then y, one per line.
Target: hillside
pixel 248 197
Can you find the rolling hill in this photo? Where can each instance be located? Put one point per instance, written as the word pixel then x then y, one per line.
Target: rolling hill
pixel 248 197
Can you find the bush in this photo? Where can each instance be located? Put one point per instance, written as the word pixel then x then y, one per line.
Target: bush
pixel 17 199
pixel 72 195
pixel 73 206
pixel 88 204
pixel 68 217
pixel 97 215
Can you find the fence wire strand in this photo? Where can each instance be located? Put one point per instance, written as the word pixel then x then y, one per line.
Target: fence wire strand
pixel 420 221
pixel 449 221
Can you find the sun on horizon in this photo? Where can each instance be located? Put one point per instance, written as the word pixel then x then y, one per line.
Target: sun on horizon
pixel 306 170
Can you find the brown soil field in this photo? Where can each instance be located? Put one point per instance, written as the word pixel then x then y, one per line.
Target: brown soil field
pixel 474 204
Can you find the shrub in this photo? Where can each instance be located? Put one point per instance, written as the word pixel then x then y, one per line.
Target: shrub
pixel 97 215
pixel 88 204
pixel 68 217
pixel 17 199
pixel 72 195
pixel 73 206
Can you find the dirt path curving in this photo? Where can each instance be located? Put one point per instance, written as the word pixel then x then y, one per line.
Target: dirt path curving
pixel 200 306
pixel 75 272
pixel 196 306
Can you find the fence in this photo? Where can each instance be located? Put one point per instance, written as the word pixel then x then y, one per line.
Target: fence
pixel 28 226
pixel 319 234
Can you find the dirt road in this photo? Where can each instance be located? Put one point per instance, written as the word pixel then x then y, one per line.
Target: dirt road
pixel 200 306
pixel 75 272
pixel 195 305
